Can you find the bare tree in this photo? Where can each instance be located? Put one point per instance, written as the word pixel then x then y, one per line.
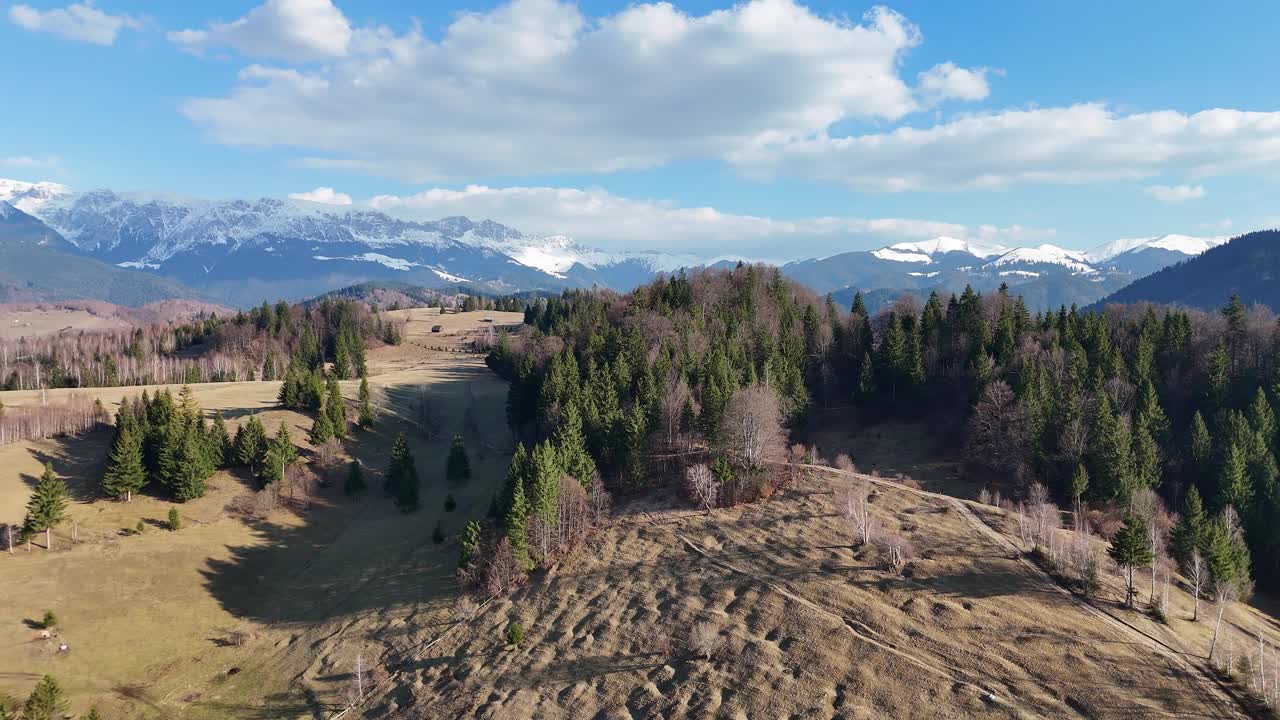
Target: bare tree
pixel 997 431
pixel 359 681
pixel 897 546
pixel 502 571
pixel 1084 559
pixel 1224 591
pixel 855 507
pixel 327 457
pixel 1197 573
pixel 702 486
pixel 1148 505
pixel 751 430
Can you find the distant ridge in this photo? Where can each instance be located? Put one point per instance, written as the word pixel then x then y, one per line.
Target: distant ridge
pixel 1248 266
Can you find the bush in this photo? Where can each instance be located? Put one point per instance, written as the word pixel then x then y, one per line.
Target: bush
pixel 140 528
pixel 515 634
pixel 450 504
pixel 49 621
pixel 175 521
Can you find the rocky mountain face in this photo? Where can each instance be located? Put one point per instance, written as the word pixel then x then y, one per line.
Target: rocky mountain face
pixel 241 251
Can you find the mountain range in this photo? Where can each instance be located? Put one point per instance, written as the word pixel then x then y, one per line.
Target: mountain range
pixel 1248 266
pixel 241 251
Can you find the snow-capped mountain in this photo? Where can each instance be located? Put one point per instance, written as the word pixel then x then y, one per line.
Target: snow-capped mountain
pixel 240 250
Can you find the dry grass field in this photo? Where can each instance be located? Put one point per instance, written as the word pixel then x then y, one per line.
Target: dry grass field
pixel 807 626
pixel 148 618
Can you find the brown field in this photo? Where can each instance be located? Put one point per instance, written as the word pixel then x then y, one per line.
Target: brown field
pixel 31 320
pixel 147 617
pixel 810 627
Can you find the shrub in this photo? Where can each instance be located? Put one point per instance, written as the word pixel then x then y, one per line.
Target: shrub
pixel 515 634
pixel 49 621
pixel 140 528
pixel 175 521
pixel 704 640
pixel 449 503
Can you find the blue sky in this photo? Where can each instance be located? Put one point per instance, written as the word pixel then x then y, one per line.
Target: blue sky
pixel 771 128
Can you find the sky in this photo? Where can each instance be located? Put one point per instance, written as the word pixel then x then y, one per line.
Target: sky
pixel 773 129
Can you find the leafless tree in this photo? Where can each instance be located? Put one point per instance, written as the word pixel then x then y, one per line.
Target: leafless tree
pixel 1148 505
pixel 997 431
pixel 1224 591
pixel 704 640
pixel 671 412
pixel 702 486
pixel 327 457
pixel 502 571
pixel 897 547
pixel 1197 573
pixel 844 463
pixel 855 507
pixel 751 429
pixel 1046 519
pixel 1084 559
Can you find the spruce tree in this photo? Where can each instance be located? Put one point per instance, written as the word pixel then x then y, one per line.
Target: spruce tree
pixel 220 450
pixel 366 408
pixel 457 466
pixel 251 444
pixel 517 471
pixel 546 483
pixel 517 525
pixel 1146 455
pixel 470 542
pixel 1131 548
pixel 46 702
pixel 572 446
pixel 1079 483
pixel 1262 417
pixel 1199 445
pixel 336 409
pixel 341 360
pixel 47 507
pixel 354 484
pixel 125 474
pixel 321 430
pixel 189 469
pixel 1188 534
pixel 402 476
pixel 1233 480
pixel 1219 376
pixel 1110 454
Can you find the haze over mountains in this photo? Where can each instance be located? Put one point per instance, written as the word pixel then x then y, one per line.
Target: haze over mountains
pixel 241 251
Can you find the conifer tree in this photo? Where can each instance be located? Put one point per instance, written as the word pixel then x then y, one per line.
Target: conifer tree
pixel 321 430
pixel 402 476
pixel 220 450
pixel 1219 376
pixel 125 475
pixel 341 360
pixel 1233 480
pixel 1262 417
pixel 470 542
pixel 189 467
pixel 893 356
pixel 546 482
pixel 251 444
pixel 517 525
pixel 1130 549
pixel 517 471
pixel 866 377
pixel 1079 483
pixel 1146 455
pixel 1187 535
pixel 354 484
pixel 457 466
pixel 1199 445
pixel 46 702
pixel 1110 455
pixel 335 408
pixel 366 408
pixel 47 507
pixel 572 446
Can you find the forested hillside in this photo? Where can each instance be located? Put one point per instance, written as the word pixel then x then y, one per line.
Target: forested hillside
pixel 1247 266
pixel 1098 407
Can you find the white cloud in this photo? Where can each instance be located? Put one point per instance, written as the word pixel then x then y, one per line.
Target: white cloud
pixel 947 80
pixel 1174 194
pixel 533 86
pixel 602 219
pixel 325 195
pixel 295 30
pixel 1079 144
pixel 27 161
pixel 81 22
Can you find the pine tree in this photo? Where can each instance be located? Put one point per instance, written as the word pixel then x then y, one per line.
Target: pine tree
pixel 572 446
pixel 402 476
pixel 189 468
pixel 46 702
pixel 1188 534
pixel 1233 480
pixel 1079 483
pixel 336 409
pixel 546 482
pixel 893 356
pixel 1130 549
pixel 1219 376
pixel 125 474
pixel 517 525
pixel 1262 417
pixel 1200 445
pixel 457 466
pixel 47 508
pixel 517 471
pixel 1110 454
pixel 470 542
pixel 321 430
pixel 1146 455
pixel 355 480
pixel 341 360
pixel 366 408
pixel 220 450
pixel 281 453
pixel 251 444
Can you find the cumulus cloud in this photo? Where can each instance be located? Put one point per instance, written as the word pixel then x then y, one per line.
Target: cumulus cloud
pixel 534 86
pixel 599 218
pixel 1082 143
pixel 81 22
pixel 1175 194
pixel 948 80
pixel 294 30
pixel 326 195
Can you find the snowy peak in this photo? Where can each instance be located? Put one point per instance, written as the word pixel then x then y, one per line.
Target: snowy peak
pixel 944 244
pixel 29 197
pixel 1185 244
pixel 1074 261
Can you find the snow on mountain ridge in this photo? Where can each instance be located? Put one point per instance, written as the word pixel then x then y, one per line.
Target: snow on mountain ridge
pixel 1185 244
pixel 946 244
pixel 1045 255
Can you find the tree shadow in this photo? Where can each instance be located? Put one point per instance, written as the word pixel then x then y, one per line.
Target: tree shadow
pixel 80 461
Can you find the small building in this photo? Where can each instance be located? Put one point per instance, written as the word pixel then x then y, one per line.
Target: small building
pixel 437 328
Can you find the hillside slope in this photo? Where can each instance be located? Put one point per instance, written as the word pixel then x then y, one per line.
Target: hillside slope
pixel 804 625
pixel 1248 266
